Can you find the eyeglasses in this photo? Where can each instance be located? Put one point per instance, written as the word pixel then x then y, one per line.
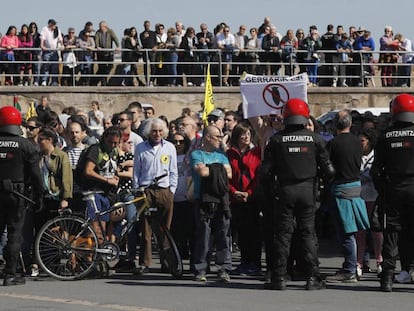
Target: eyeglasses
pixel 226 30
pixel 300 33
pixel 122 120
pixel 218 136
pixel 31 128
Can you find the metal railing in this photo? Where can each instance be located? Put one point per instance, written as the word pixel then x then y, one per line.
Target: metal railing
pixel 154 66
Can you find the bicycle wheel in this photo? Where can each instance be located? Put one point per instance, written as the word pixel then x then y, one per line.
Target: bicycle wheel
pixel 65 248
pixel 169 255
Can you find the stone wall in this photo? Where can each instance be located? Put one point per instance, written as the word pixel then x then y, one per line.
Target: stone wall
pixel 169 101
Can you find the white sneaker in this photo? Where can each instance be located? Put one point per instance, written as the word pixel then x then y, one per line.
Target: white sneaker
pixel 359 271
pixel 35 270
pixel 35 84
pixel 403 277
pixel 334 84
pixel 189 83
pixel 379 268
pixel 44 83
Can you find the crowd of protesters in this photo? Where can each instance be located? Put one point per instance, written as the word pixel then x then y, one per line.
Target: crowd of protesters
pixel 242 218
pixel 178 56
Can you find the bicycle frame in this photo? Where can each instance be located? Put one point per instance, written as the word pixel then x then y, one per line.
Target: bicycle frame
pixel 90 196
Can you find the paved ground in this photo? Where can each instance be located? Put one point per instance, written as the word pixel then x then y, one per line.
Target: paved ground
pixel 157 291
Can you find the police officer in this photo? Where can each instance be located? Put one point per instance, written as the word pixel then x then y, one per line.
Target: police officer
pixel 18 161
pixel 293 155
pixel 393 173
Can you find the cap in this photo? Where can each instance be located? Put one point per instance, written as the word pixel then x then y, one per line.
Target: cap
pixel 52 21
pixel 361 29
pixel 216 113
pixel 71 29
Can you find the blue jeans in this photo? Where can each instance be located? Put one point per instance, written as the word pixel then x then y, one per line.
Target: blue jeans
pixel 172 68
pixel 349 246
pixel 50 66
pixel 313 71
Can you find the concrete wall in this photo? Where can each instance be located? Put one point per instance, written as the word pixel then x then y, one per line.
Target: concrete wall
pixel 169 101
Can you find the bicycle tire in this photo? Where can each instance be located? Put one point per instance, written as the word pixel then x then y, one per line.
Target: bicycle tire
pixel 66 249
pixel 169 255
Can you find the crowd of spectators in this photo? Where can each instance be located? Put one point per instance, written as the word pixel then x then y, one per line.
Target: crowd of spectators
pixel 177 56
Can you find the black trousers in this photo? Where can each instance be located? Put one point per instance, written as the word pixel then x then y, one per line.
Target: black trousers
pixel 399 232
pixel 297 202
pixel 12 212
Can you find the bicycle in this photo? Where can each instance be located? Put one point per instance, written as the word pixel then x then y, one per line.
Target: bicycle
pixel 67 246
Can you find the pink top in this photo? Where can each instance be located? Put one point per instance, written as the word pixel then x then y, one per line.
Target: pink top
pixel 9 42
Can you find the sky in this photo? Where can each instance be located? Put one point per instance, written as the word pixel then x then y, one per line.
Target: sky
pixel 373 15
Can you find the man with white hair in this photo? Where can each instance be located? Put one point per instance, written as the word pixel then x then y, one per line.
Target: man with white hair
pixel 155 157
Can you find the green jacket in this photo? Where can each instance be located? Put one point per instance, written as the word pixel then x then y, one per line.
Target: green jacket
pixel 60 174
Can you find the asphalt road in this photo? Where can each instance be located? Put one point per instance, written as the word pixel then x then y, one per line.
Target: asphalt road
pixel 157 291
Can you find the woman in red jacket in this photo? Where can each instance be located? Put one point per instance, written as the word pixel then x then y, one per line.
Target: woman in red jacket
pixel 245 158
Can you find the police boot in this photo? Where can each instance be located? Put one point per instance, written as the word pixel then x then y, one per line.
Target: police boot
pixel 386 280
pixel 10 280
pixel 315 283
pixel 276 284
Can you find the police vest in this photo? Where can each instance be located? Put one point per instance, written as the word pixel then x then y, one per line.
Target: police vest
pixel 295 156
pixel 399 151
pixel 12 157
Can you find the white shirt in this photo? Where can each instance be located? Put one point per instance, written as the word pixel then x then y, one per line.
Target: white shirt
pixel 50 42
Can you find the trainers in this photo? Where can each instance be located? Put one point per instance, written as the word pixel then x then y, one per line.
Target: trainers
pixel 201 277
pixel 342 276
pixel 403 278
pixel 35 270
pixel 379 268
pixel 314 283
pixel 359 271
pixel 224 276
pixel 44 83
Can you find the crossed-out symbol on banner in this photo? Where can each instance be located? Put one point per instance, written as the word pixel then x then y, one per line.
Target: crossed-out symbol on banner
pixel 275 95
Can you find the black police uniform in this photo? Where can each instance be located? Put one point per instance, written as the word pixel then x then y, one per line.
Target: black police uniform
pixel 293 156
pixel 18 160
pixel 393 174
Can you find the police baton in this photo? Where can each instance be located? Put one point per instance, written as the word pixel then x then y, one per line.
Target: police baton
pixel 8 186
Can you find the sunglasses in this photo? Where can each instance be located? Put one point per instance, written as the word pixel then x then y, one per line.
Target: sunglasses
pixel 178 142
pixel 31 128
pixel 122 120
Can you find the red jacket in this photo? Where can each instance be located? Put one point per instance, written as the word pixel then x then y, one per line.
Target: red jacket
pixel 244 169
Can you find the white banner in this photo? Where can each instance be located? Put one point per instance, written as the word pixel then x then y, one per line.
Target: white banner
pixel 264 95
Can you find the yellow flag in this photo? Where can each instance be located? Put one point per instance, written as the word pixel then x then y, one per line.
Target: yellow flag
pixel 31 112
pixel 208 97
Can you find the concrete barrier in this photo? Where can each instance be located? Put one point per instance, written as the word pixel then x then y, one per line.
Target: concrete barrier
pixel 169 101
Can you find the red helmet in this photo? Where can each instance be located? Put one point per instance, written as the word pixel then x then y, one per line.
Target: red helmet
pixel 402 108
pixel 295 111
pixel 10 120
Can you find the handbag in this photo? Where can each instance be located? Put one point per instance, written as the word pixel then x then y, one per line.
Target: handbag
pixel 69 59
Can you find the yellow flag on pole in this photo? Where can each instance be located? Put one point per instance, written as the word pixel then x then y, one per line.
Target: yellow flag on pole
pixel 208 97
pixel 31 112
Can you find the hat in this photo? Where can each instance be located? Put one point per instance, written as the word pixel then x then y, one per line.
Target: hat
pixel 71 29
pixel 361 29
pixel 216 113
pixel 52 21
